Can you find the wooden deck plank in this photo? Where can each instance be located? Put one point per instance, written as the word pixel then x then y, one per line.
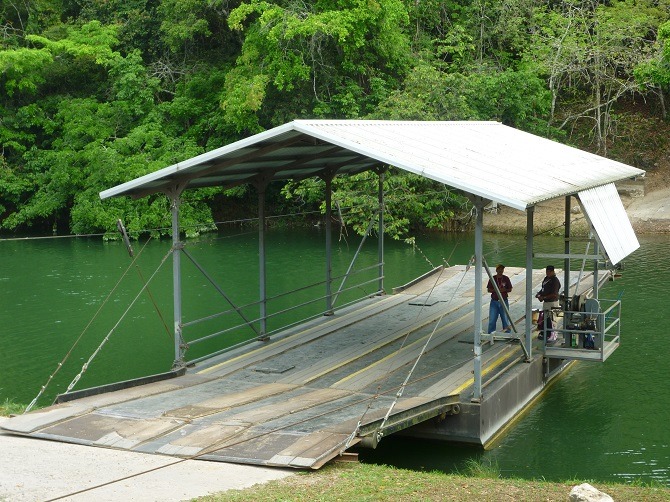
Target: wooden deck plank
pixel 519 286
pixel 289 406
pixel 203 438
pixel 377 412
pixel 255 447
pixel 39 419
pixel 325 327
pixel 107 430
pixel 457 381
pixel 220 403
pixel 368 346
pixel 378 369
pixel 431 282
pixel 310 449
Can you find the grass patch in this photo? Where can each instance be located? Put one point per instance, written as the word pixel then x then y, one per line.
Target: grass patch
pixel 476 468
pixel 9 407
pixel 363 482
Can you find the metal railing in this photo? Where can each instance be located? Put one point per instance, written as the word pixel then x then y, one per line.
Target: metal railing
pixel 247 328
pixel 584 335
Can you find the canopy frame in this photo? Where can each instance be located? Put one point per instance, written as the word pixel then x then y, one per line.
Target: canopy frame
pixel 467 156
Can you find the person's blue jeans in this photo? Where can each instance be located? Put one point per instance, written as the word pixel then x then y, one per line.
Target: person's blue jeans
pixel 496 309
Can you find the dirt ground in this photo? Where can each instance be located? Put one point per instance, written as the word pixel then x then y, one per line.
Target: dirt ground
pixel 647 203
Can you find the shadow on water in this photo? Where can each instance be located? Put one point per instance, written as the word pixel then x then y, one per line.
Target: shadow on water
pixel 422 454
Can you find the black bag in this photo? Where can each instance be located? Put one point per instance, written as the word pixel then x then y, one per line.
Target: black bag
pixel 589 341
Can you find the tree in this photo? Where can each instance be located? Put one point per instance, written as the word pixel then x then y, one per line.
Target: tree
pixel 655 73
pixel 333 58
pixel 588 52
pixel 63 149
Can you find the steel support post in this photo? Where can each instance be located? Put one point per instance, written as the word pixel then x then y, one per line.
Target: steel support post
pixel 262 261
pixel 380 232
pixel 479 251
pixel 596 282
pixel 329 245
pixel 176 280
pixel 566 267
pixel 529 280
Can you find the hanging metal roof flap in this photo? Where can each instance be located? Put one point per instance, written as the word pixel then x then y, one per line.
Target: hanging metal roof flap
pixel 607 216
pixel 487 159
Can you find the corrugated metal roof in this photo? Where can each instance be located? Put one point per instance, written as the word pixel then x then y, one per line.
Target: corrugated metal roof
pixel 487 159
pixel 604 210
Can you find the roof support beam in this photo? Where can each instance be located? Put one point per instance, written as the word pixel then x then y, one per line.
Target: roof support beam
pixel 380 231
pixel 530 212
pixel 177 245
pixel 301 161
pixel 332 168
pixel 479 251
pixel 259 152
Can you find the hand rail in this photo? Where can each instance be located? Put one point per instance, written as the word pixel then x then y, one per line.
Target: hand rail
pixel 604 326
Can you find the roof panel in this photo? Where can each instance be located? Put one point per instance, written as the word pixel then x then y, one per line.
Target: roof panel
pixel 487 159
pixel 606 214
pixel 484 158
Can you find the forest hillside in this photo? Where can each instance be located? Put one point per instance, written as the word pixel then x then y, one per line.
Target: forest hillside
pixel 94 94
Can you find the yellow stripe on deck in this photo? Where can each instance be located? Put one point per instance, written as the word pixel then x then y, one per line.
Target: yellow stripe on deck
pixel 281 344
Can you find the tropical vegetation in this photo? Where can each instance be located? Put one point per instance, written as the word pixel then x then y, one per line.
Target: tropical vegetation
pixel 94 94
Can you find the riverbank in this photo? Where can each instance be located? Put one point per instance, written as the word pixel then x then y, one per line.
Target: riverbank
pixel 376 483
pixel 648 210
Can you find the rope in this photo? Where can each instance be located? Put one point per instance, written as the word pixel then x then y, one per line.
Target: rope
pixel 104 341
pixel 198 225
pixel 76 342
pixel 162 229
pixel 415 247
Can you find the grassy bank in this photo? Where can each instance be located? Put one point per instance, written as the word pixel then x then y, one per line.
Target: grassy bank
pixel 362 482
pixel 9 407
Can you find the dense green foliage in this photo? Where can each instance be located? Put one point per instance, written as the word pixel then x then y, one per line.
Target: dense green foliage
pixel 98 93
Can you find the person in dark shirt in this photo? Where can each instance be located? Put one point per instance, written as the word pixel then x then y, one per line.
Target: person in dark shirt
pixel 496 308
pixel 548 295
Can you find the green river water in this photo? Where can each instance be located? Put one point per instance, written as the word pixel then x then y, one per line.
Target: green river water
pixel 59 298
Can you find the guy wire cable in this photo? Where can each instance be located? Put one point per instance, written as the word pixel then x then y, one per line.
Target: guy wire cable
pixel 388 370
pixel 67 355
pixel 220 444
pixel 416 362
